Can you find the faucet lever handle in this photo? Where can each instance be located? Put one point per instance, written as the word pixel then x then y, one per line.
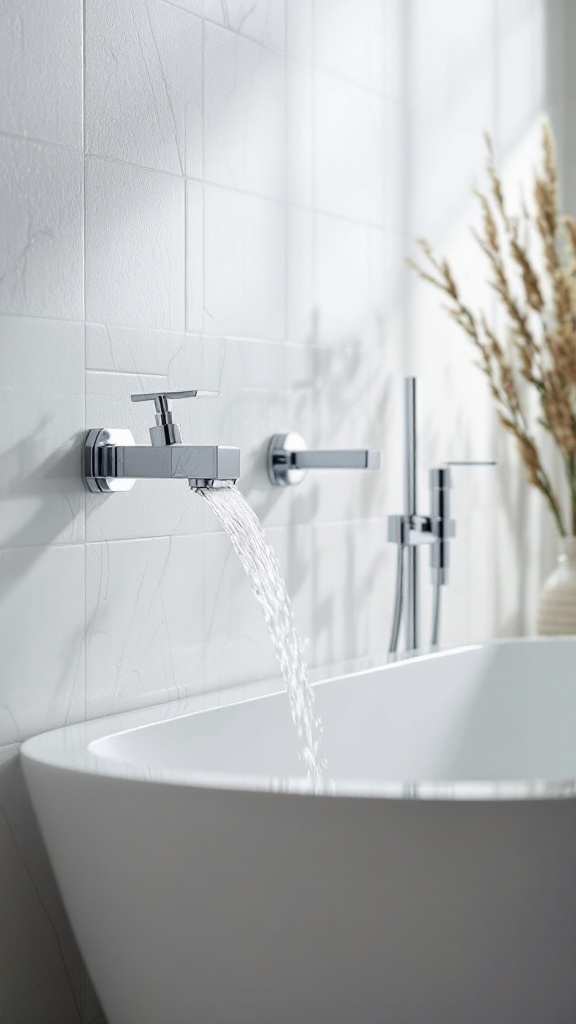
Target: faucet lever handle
pixel 167 432
pixel 473 462
pixel 159 397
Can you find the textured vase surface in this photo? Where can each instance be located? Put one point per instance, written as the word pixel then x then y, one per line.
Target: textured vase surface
pixel 557 604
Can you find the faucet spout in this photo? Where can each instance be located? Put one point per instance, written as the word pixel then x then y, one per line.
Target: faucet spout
pixel 177 462
pixel 112 462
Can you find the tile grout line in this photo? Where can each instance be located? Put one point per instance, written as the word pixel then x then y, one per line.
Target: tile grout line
pixel 337 348
pixel 243 36
pixel 36 141
pixel 278 200
pixel 85 545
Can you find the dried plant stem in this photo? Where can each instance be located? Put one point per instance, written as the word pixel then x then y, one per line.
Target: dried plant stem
pixel 539 306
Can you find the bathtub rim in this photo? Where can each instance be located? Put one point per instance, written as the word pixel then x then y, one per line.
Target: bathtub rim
pixel 74 748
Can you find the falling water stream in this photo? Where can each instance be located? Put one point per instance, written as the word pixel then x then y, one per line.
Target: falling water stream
pixel 261 566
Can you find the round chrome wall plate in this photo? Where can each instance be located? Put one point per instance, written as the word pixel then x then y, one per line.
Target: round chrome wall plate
pixel 92 460
pixel 280 471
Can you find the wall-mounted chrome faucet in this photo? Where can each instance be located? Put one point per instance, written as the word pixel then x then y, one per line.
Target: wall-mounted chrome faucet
pixel 410 530
pixel 112 461
pixel 289 459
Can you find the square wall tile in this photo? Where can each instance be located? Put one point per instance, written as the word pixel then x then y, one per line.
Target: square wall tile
pixel 301 310
pixel 348 282
pixel 135 231
pixel 41 638
pixel 262 20
pixel 471 61
pixel 349 150
pixel 41 70
pixel 395 16
pixel 300 133
pixel 144 638
pixel 194 256
pixel 353 590
pixel 41 431
pixel 437 197
pixel 244 268
pixel 349 40
pixel 144 352
pixel 520 68
pixel 144 84
pixel 426 70
pixel 41 212
pixel 244 114
pixel 299 29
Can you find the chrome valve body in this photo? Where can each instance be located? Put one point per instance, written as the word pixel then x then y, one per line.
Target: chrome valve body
pixel 112 461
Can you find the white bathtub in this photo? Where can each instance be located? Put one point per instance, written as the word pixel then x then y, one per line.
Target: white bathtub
pixel 436 885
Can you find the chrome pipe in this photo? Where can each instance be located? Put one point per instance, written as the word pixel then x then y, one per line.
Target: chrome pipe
pixel 410 504
pixel 398 602
pixel 436 614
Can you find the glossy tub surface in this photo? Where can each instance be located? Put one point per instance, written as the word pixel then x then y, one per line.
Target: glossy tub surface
pixel 434 884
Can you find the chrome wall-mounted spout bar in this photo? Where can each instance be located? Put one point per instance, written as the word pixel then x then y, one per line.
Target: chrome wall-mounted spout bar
pixel 410 530
pixel 112 461
pixel 289 459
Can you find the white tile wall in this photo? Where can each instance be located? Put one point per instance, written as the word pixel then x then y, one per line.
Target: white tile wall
pixel 262 20
pixel 349 267
pixel 352 596
pixel 194 256
pixel 193 6
pixel 520 27
pixel 301 319
pixel 41 638
pixel 144 85
pixel 472 81
pixel 348 40
pixel 135 240
pixel 244 264
pixel 42 400
pixel 300 132
pixel 41 70
pixel 299 29
pixel 41 240
pixel 144 604
pixel 244 114
pixel 349 149
pixel 222 193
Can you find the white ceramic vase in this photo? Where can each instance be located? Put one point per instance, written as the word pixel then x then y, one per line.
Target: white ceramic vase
pixel 557 604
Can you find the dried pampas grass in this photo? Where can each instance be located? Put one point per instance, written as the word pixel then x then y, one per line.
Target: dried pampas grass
pixel 532 270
